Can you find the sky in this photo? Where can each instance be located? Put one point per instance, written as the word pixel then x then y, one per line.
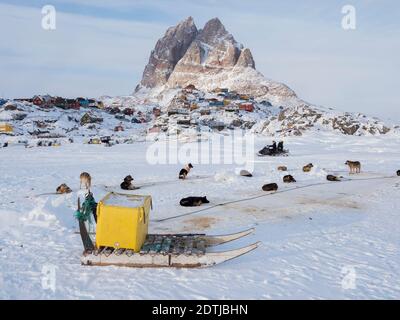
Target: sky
pixel 101 47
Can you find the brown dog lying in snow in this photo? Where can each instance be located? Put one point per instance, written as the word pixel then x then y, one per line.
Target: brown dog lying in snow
pixel 289 179
pixel 308 167
pixel 63 188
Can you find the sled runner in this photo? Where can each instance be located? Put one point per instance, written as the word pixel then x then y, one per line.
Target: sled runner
pixel 179 251
pixel 124 241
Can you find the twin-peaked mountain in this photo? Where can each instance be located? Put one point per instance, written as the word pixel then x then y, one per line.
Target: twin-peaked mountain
pixel 207 58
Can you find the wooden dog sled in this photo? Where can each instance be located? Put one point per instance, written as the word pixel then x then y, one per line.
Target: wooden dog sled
pixel 133 247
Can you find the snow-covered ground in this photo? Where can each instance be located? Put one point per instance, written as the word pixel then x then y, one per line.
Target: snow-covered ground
pixel 319 239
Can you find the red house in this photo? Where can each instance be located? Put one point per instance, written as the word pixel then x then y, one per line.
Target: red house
pixel 190 88
pixel 73 104
pixel 43 101
pixel 128 111
pixel 38 100
pixel 119 128
pixel 249 107
pixel 156 112
pixel 154 130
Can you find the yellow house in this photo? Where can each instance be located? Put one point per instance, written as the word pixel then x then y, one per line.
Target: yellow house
pixel 6 128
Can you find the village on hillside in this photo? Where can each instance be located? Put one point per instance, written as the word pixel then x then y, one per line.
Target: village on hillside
pixel 43 116
pixel 51 121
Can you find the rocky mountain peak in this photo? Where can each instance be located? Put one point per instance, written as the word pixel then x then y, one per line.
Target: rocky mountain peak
pixel 167 52
pixel 207 57
pixel 246 59
pixel 186 25
pixel 214 32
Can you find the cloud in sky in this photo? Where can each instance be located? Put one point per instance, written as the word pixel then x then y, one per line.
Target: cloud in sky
pixel 101 47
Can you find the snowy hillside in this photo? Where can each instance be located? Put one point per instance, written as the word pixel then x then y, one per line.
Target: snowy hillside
pixel 187 113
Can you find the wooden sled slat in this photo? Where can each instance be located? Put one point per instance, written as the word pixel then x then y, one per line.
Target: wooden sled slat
pixel 160 260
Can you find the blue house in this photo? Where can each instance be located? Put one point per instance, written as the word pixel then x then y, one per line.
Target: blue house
pixel 216 104
pixel 2 101
pixel 83 102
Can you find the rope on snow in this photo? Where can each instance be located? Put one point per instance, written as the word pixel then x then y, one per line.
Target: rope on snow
pixel 265 195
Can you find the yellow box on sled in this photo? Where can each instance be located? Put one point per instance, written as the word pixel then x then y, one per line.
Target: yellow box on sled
pixel 123 221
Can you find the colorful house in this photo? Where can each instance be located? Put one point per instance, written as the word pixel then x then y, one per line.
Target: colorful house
pixel 205 112
pixel 2 101
pixel 216 125
pixel 154 129
pixel 60 103
pixel 72 104
pixel 231 108
pixel 249 107
pixel 216 103
pixel 93 103
pixel 37 100
pixel 221 90
pixel 83 102
pixel 156 112
pixel 128 111
pixel 119 128
pixel 6 128
pixel 190 88
pixel 177 111
pixel 43 101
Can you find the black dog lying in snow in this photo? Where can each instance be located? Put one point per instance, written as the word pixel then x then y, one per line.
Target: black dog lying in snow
pixel 398 173
pixel 270 187
pixel 193 201
pixel 331 177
